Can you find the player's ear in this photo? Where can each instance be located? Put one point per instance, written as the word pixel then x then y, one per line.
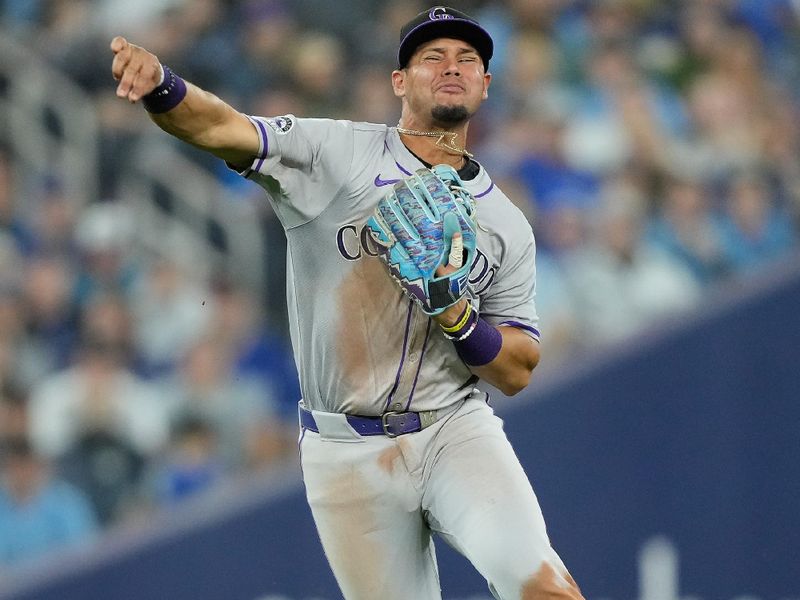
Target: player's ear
pixel 487 79
pixel 399 82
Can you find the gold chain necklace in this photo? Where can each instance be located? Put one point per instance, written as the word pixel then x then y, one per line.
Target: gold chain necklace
pixel 449 145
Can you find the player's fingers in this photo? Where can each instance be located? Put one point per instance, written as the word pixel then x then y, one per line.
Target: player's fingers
pixel 147 79
pixel 121 61
pixel 126 81
pixel 132 95
pixel 118 44
pixel 118 66
pixel 456 258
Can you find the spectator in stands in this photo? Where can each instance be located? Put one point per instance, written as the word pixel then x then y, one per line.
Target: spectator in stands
pixel 619 282
pixel 547 171
pixel 689 230
pixel 562 229
pixel 318 61
pixel 17 360
pixel 556 308
pixel 205 33
pixel 39 513
pixel 13 411
pixel 108 469
pixel 11 222
pixel 258 351
pixel 192 463
pixel 50 314
pixel 534 78
pixel 686 48
pixel 21 14
pixel 171 311
pixel 620 117
pixel 242 416
pixel 105 236
pixel 97 393
pixel 264 46
pixel 724 136
pixel 375 33
pixel 779 163
pixel 107 318
pixel 754 230
pixel 371 92
pixel 52 223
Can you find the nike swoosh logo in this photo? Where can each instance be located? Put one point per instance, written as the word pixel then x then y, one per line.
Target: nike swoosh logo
pixel 381 182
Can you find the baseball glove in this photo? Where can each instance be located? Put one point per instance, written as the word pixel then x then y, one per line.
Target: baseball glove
pixel 413 226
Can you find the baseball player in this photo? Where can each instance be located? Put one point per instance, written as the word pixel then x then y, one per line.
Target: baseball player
pixel 397 443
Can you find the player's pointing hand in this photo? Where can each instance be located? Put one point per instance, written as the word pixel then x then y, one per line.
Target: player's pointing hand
pixel 137 70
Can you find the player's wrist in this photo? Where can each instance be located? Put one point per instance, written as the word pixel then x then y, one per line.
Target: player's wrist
pixel 463 327
pixel 476 340
pixel 169 93
pixel 451 324
pixel 480 344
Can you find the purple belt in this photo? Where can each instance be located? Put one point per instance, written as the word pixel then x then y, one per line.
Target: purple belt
pixel 390 424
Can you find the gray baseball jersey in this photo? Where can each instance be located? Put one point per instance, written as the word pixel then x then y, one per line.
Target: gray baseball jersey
pixel 361 346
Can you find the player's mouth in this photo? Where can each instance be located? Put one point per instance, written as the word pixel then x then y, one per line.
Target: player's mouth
pixel 451 88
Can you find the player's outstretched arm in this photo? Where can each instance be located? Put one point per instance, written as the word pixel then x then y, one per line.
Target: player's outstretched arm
pixel 200 118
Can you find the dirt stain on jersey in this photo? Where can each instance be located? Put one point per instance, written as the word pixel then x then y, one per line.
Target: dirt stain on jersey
pixel 369 332
pixel 549 585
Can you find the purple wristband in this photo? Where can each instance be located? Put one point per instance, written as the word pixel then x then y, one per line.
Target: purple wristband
pixel 481 346
pixel 166 96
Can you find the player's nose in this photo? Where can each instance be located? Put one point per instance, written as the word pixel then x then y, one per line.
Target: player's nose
pixel 450 65
pixel 452 68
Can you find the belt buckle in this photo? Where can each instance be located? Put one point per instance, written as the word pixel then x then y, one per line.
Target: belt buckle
pixel 385 423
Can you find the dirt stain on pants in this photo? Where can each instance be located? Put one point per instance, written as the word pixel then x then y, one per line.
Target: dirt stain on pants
pixel 547 584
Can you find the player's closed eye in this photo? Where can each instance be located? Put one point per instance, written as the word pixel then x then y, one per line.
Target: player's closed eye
pixel 440 57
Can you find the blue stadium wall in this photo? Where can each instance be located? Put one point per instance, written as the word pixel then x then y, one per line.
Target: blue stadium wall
pixel 667 468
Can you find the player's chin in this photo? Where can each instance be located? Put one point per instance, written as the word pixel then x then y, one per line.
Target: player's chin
pixel 451 113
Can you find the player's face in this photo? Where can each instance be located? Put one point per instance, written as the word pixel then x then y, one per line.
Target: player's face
pixel 444 82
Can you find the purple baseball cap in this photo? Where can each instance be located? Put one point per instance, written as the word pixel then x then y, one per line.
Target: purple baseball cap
pixel 443 21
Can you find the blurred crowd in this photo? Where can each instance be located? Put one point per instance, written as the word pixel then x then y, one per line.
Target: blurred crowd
pixel 652 144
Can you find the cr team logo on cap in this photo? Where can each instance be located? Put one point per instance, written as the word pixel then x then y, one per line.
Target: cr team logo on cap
pixel 439 12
